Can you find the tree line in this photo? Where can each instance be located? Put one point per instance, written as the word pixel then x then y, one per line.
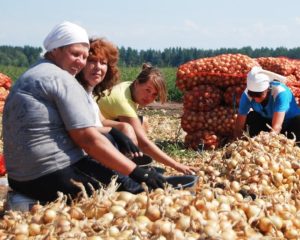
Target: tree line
pixel 129 57
pixel 19 56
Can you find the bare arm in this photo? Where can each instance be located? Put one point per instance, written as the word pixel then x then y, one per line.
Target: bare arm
pixel 104 129
pixel 239 125
pixel 121 126
pixel 277 121
pixel 100 148
pixel 148 147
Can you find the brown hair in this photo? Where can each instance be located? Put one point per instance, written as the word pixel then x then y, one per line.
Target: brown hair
pixel 100 48
pixel 153 74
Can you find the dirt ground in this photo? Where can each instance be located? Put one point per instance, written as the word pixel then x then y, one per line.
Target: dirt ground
pixel 170 107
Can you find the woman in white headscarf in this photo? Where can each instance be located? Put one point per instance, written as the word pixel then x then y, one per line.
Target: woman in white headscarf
pixel 49 130
pixel 267 101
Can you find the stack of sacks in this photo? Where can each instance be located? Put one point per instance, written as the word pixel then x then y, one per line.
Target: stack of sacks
pixel 212 88
pixel 5 84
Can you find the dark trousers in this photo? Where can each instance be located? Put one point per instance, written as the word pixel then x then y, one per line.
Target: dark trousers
pixel 87 171
pixel 256 123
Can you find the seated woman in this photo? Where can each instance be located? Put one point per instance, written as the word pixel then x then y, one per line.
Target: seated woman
pixel 49 132
pixel 99 74
pixel 267 101
pixel 122 104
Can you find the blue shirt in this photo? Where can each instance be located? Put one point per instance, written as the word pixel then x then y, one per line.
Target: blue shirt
pixel 281 99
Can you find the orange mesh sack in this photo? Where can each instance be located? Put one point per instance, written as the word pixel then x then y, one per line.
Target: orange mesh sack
pixel 202 140
pixel 220 120
pixel 5 84
pixel 202 98
pixel 223 70
pixel 281 65
pixel 5 81
pixel 232 95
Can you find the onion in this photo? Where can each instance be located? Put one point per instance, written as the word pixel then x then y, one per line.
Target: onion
pixel 178 235
pixel 183 222
pixel 35 208
pixel 228 234
pixel 94 238
pixel 34 229
pixel 142 200
pixel 235 186
pixel 76 213
pixel 49 215
pixel 22 229
pixel 106 219
pixel 143 222
pixel 153 213
pixel 64 225
pixel 118 211
pixel 253 211
pixel 276 221
pixel 113 231
pixel 207 194
pixel 126 196
pixel 291 234
pixel 265 224
pixel 162 227
pixel 211 228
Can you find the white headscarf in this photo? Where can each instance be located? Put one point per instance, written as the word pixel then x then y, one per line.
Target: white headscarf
pixel 258 79
pixel 64 34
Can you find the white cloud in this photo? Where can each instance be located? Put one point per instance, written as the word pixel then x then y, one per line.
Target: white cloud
pixel 297 20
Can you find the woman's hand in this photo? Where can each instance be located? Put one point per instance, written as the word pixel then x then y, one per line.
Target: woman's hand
pixel 186 169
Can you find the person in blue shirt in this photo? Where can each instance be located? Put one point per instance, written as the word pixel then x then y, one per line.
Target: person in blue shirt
pixel 267 104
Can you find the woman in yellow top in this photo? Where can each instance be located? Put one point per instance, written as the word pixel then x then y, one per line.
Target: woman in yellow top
pixel 122 104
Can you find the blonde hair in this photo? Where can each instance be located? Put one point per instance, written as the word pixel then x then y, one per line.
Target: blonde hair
pixel 153 74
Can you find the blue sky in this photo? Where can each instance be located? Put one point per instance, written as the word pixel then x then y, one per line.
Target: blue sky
pixel 158 24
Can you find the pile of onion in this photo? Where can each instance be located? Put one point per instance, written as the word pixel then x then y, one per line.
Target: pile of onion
pixel 246 190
